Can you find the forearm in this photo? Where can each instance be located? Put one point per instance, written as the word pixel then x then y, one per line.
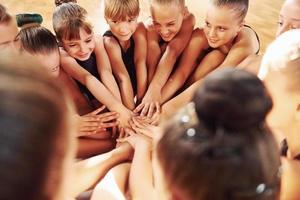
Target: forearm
pixel 173 84
pixel 170 107
pixel 141 71
pixel 141 177
pixel 152 61
pixel 127 93
pixel 90 171
pixel 164 68
pixel 102 94
pixel 110 82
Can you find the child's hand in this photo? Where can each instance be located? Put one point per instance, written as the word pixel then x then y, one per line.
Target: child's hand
pixel 142 126
pixel 137 141
pixel 124 117
pixel 93 123
pixel 149 105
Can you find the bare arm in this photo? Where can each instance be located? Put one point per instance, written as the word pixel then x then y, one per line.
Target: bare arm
pixel 120 71
pixel 140 54
pixel 170 107
pixel 173 51
pixel 245 45
pixel 140 176
pixel 100 92
pixel 82 104
pixel 153 52
pixel 104 68
pixel 90 171
pixel 188 62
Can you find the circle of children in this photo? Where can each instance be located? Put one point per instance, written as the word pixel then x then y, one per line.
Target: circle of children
pixel 101 99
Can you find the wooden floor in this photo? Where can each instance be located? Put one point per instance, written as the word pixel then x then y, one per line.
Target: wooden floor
pixel 262 15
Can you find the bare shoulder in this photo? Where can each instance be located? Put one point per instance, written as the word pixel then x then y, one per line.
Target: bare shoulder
pixel 190 17
pixel 141 27
pixel 109 41
pixel 198 32
pixel 247 33
pixel 140 30
pixel 63 53
pixel 198 36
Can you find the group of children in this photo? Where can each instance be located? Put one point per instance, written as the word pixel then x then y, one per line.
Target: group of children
pixel 120 82
pixel 134 68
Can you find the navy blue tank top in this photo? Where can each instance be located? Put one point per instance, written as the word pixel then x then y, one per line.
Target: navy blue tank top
pixel 91 66
pixel 128 59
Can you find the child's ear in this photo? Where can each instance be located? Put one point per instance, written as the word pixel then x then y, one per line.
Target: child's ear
pixel 241 25
pixel 185 11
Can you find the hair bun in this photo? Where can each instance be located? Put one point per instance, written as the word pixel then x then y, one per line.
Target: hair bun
pixel 27 18
pixel 59 2
pixel 233 99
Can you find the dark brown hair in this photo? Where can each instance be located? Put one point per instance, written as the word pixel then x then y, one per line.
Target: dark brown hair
pixel 68 18
pixel 204 156
pixel 34 37
pixel 34 121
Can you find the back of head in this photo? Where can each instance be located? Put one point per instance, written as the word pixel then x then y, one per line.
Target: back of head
pixel 239 6
pixel 220 152
pixel 283 55
pixel 59 2
pixel 68 19
pixel 233 99
pixel 35 38
pixel 34 132
pixel 4 16
pixel 120 10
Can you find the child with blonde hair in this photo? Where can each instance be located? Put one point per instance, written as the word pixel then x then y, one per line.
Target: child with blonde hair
pixel 126 42
pixel 280 70
pixel 168 34
pixel 224 41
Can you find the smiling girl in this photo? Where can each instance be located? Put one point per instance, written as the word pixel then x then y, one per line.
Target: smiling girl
pixel 84 58
pixel 126 42
pixel 225 40
pixel 167 35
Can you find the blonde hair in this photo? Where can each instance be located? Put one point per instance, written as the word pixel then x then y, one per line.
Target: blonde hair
pixel 168 2
pixel 283 55
pixel 120 9
pixel 68 18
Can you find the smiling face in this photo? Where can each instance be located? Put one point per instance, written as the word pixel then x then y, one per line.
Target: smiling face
pixel 221 25
pixel 167 19
pixel 289 17
pixel 9 35
pixel 123 30
pixel 82 48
